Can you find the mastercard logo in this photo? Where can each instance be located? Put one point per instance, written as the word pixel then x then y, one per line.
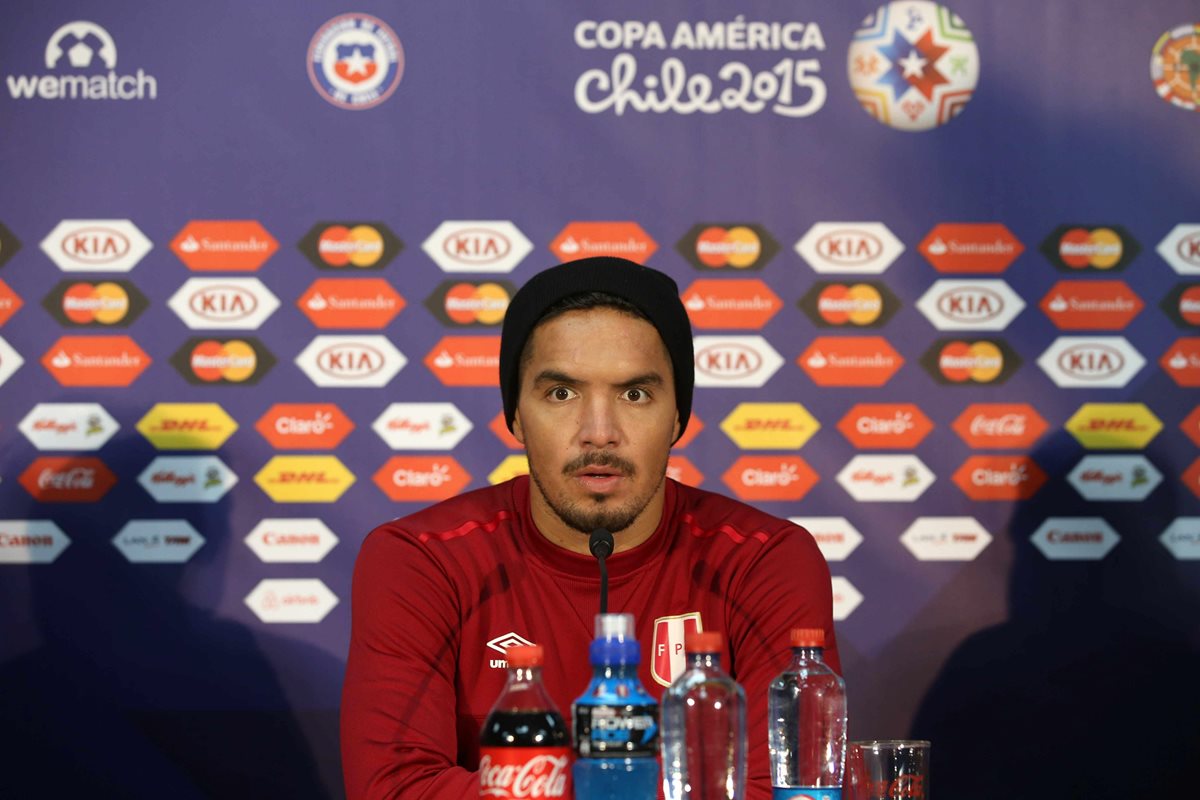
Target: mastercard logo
pixel 1075 248
pixel 865 304
pixel 960 362
pixel 737 246
pixel 471 303
pixel 217 362
pixel 350 245
pixel 95 304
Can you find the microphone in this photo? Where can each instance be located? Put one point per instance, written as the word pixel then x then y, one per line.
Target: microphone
pixel 600 543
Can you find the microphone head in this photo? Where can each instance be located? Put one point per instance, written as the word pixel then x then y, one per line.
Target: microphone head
pixel 601 543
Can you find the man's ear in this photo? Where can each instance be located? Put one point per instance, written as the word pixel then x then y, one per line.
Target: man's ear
pixel 519 434
pixel 675 434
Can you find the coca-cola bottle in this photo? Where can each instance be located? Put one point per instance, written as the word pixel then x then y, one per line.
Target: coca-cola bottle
pixel 525 747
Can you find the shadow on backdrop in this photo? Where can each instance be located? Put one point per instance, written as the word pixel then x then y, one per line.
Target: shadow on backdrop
pixel 129 689
pixel 1090 689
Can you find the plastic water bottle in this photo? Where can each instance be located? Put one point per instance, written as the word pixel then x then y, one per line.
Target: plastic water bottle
pixel 616 720
pixel 806 715
pixel 704 727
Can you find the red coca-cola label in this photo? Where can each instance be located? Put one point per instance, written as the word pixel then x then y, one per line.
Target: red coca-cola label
pixel 507 773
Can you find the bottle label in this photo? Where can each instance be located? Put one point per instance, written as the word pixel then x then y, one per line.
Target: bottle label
pixel 805 793
pixel 615 731
pixel 517 773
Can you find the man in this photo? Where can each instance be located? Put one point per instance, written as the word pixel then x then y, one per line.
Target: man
pixel 596 376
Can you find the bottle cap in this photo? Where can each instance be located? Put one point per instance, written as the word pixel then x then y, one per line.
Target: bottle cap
pixel 525 655
pixel 703 642
pixel 614 626
pixel 808 637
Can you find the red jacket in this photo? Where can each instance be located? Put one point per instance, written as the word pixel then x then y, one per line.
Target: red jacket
pixel 436 595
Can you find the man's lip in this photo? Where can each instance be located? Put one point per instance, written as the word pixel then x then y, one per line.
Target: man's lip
pixel 604 472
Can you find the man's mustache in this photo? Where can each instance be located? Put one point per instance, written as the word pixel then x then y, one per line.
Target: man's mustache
pixel 599 459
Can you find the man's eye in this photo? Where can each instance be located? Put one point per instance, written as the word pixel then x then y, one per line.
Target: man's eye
pixel 635 395
pixel 560 393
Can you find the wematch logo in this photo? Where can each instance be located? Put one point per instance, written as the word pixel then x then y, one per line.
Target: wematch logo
pixel 421 478
pixel 351 303
pixel 470 304
pixel 1091 305
pixel 95 304
pixel 158 541
pixel 1112 478
pixel 222 361
pixel 727 246
pixel 737 304
pixel 235 304
pixel 187 479
pixel 836 537
pixel 81 64
pixel 291 541
pixel 238 245
pixel 985 247
pixel 946 538
pixel 350 246
pixel 865 304
pixel 304 426
pixel 67 479
pixel 860 248
pixel 770 426
pixel 770 478
pixel 970 305
pixel 1075 538
pixel 422 426
pixel 1078 362
pixel 1114 426
pixel 850 361
pixel 1181 249
pixel 351 361
pixel 96 245
pixel 291 600
pixel 187 426
pixel 304 479
pixel 1000 426
pixel 68 426
pixel 734 361
pixel 10 361
pixel 885 426
pixel 31 541
pixel 477 246
pixel 875 478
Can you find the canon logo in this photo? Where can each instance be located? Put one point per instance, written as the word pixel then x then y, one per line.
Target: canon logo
pixel 1056 536
pixel 1006 425
pixel 74 478
pixel 223 303
pixel 728 360
pixel 849 247
pixel 435 476
pixel 350 360
pixel 286 539
pixel 971 305
pixel 95 245
pixel 1091 361
pixel 540 776
pixel 829 538
pixel 477 246
pixel 21 540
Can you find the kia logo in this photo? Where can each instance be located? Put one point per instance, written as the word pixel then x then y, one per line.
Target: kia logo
pixel 850 247
pixel 728 360
pixel 1091 361
pixel 477 246
pixel 350 360
pixel 95 245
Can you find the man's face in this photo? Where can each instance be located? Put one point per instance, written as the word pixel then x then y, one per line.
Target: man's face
pixel 596 413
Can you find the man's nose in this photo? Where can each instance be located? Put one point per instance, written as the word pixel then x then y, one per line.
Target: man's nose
pixel 599 426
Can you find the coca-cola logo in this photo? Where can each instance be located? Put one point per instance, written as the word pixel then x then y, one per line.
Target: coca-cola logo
pixel 542 774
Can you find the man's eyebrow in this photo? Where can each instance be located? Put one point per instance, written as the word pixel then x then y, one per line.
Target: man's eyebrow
pixel 556 376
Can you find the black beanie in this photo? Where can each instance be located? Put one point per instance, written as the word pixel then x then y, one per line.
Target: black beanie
pixel 652 292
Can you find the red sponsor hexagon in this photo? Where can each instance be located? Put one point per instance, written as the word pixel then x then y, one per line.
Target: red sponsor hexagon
pixel 421 478
pixel 737 304
pixel 999 477
pixel 1191 477
pixel 1000 426
pixel 10 302
pixel 985 247
pixel 694 427
pixel 770 477
pixel 304 426
pixel 351 303
pixel 225 245
pixel 95 360
pixel 1191 425
pixel 1182 361
pixel 885 426
pixel 584 239
pixel 1091 305
pixel 466 360
pixel 850 361
pixel 67 479
pixel 500 429
pixel 680 468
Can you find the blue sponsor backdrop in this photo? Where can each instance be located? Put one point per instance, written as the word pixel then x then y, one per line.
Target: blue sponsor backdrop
pixel 151 680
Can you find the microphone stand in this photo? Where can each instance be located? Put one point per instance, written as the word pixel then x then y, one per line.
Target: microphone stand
pixel 601 545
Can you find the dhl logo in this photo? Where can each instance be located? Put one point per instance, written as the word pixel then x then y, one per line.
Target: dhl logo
pixel 304 479
pixel 187 426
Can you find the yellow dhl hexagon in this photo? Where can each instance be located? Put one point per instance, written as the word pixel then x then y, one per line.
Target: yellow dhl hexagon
pixel 770 426
pixel 1114 426
pixel 187 426
pixel 510 467
pixel 304 479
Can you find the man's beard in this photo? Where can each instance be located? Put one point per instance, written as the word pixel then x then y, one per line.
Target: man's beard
pixel 586 519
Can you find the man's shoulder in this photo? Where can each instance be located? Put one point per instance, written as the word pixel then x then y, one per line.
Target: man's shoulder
pixel 716 517
pixel 478 511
